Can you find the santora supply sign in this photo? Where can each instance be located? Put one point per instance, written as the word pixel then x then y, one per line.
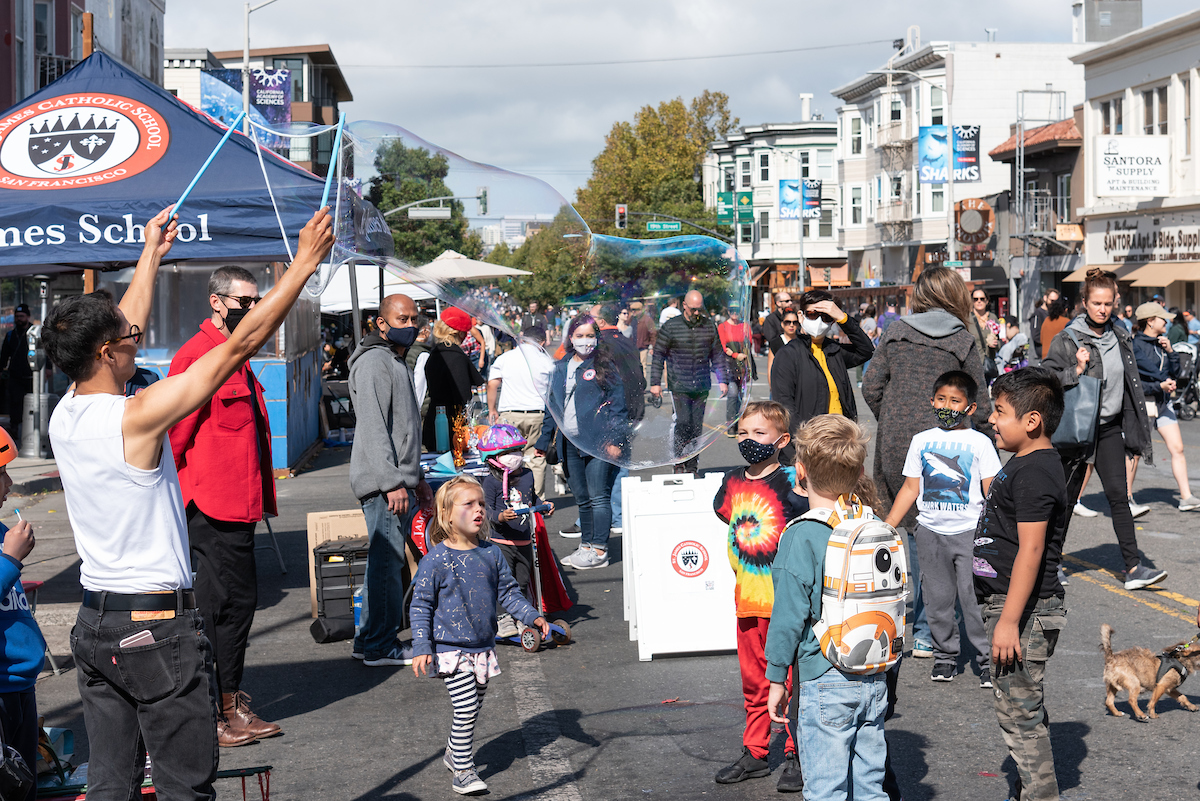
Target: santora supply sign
pixel 1133 166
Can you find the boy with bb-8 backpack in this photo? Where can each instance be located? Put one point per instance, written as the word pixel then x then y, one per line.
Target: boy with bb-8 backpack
pixel 841 579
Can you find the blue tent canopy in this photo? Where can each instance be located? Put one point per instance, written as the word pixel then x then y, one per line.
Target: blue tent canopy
pixel 88 159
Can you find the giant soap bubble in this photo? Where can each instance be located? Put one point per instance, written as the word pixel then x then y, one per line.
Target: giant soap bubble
pixel 388 215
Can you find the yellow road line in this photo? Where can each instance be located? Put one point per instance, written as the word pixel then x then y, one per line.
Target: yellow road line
pixel 1127 594
pixel 1174 596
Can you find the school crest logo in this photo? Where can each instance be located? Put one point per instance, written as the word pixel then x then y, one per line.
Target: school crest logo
pixel 79 140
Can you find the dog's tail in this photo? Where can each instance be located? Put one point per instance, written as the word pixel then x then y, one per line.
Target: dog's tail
pixel 1106 633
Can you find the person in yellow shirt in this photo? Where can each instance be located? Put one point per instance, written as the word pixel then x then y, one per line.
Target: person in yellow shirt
pixel 810 375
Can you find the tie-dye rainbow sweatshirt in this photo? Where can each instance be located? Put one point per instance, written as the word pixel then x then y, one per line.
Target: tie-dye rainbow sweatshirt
pixel 757 511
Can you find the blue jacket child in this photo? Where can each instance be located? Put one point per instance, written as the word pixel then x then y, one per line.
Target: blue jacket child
pixel 22 648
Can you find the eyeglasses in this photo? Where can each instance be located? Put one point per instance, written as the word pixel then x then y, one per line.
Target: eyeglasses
pixel 135 334
pixel 243 301
pixel 814 315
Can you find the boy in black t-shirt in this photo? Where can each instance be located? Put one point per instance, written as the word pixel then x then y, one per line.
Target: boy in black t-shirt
pixel 1018 548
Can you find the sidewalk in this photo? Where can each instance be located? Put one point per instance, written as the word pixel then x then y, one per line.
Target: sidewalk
pixel 31 476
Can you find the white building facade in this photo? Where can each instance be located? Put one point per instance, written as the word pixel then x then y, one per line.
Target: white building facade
pixel 889 221
pixel 778 247
pixel 1141 204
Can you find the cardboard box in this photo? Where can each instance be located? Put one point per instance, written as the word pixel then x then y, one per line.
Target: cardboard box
pixel 348 524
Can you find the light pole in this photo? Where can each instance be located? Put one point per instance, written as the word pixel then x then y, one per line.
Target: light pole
pixel 246 65
pixel 950 161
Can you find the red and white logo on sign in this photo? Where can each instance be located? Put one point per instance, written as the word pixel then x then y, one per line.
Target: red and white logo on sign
pixel 79 140
pixel 689 559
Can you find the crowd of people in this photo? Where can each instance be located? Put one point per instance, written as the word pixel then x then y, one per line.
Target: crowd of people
pixel 169 576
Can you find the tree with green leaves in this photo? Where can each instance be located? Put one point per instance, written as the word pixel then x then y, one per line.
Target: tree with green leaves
pixel 408 174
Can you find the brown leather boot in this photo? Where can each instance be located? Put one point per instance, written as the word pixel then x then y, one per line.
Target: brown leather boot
pixel 230 737
pixel 236 707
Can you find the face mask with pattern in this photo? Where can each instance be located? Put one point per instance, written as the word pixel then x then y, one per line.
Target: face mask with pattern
pixel 949 419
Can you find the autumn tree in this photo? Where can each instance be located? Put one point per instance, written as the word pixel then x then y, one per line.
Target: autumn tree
pixel 651 163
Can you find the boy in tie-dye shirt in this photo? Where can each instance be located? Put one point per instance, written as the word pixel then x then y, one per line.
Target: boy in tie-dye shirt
pixel 757 502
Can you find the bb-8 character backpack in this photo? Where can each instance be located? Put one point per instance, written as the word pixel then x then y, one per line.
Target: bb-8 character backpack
pixel 865 590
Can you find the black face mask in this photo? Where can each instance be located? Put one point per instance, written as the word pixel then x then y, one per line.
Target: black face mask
pixel 756 452
pixel 233 317
pixel 404 337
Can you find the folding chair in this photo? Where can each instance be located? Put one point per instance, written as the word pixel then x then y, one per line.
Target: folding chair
pixel 31 592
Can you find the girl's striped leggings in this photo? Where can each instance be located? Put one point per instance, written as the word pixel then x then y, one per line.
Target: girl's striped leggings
pixel 467 699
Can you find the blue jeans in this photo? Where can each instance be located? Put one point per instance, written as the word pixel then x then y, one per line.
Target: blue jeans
pixel 591 481
pixel 920 623
pixel 617 516
pixel 839 724
pixel 383 591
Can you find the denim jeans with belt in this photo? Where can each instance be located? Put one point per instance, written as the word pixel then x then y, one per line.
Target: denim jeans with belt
pixel 839 723
pixel 164 693
pixel 591 480
pixel 387 575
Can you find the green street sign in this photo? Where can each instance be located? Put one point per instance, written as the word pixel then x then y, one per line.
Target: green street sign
pixel 725 208
pixel 952 264
pixel 745 207
pixel 662 225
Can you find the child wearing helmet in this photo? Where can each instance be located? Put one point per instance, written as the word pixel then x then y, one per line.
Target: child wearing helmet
pixel 24 648
pixel 509 486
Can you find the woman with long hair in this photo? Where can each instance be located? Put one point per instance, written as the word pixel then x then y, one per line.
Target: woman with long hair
pixel 1092 345
pixel 1057 317
pixel 912 353
pixel 586 393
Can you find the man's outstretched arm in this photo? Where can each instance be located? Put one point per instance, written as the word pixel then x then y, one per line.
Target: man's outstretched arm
pixel 139 297
pixel 149 414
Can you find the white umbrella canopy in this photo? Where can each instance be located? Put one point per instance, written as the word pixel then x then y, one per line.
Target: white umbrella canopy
pixel 336 297
pixel 454 266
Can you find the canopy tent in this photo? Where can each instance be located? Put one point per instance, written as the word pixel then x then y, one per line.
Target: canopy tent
pixel 336 297
pixel 88 159
pixel 454 266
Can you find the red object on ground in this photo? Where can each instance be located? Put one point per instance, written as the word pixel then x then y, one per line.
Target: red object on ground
pixel 554 591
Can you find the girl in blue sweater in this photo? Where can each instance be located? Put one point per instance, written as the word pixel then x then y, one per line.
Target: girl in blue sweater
pixel 453 613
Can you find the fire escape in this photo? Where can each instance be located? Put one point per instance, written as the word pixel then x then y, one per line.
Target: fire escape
pixel 894 149
pixel 1037 209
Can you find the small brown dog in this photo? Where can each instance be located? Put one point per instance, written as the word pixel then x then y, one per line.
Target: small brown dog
pixel 1136 669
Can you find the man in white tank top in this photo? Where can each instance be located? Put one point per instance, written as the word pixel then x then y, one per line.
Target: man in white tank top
pixel 144 663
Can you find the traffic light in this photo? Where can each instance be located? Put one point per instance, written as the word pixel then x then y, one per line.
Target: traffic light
pixel 622 216
pixel 483 201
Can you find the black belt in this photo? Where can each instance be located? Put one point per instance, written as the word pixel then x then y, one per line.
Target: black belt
pixel 140 602
pixel 523 411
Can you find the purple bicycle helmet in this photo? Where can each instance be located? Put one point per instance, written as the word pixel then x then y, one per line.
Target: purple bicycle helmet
pixel 500 438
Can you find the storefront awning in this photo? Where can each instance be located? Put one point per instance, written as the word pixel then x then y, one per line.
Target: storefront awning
pixel 1165 273
pixel 1123 271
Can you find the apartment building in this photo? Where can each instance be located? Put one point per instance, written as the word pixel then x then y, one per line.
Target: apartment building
pixel 1141 199
pixel 890 220
pixel 766 166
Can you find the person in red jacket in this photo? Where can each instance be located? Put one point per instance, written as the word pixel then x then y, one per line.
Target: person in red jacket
pixel 223 455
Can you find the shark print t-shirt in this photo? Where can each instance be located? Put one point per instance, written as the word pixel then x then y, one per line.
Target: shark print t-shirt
pixel 951 465
pixel 1029 489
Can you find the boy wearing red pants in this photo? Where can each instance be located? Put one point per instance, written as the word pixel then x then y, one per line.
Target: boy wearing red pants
pixel 757 502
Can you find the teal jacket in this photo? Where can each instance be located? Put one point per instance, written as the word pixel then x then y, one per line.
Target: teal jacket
pixel 797 572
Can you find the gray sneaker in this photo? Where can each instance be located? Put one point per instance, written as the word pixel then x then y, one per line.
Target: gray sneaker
pixel 1141 576
pixel 1189 503
pixel 506 626
pixel 588 560
pixel 447 759
pixel 566 560
pixel 467 782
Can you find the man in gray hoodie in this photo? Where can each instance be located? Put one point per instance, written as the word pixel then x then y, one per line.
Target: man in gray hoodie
pixel 385 474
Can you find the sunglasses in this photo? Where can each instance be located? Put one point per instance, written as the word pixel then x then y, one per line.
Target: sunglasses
pixel 815 315
pixel 791 322
pixel 979 297
pixel 135 334
pixel 243 301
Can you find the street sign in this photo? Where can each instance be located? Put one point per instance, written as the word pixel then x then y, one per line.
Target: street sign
pixel 661 225
pixel 429 213
pixel 725 208
pixel 745 207
pixel 952 264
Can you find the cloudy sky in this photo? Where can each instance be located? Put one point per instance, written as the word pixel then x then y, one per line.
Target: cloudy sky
pixel 503 83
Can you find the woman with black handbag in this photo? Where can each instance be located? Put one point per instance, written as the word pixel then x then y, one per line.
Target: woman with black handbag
pixel 1091 345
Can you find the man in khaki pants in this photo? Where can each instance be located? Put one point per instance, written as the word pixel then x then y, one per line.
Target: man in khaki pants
pixel 516 393
pixel 644 334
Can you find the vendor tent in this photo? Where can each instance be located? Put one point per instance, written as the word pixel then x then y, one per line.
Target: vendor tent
pixel 336 297
pixel 454 266
pixel 88 159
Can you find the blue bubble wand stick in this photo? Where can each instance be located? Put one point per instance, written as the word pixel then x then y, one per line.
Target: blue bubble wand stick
pixel 228 133
pixel 335 166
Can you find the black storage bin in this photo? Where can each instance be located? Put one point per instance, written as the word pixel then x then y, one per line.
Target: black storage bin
pixel 341 568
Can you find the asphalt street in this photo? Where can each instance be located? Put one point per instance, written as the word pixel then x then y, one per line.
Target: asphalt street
pixel 589 721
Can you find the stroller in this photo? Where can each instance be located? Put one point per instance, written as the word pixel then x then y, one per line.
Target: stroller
pixel 1187 395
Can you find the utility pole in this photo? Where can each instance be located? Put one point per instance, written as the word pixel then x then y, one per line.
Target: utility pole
pixel 246 65
pixel 951 233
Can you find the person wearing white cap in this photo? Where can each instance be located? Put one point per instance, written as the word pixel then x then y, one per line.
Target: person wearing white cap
pixel 1158 366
